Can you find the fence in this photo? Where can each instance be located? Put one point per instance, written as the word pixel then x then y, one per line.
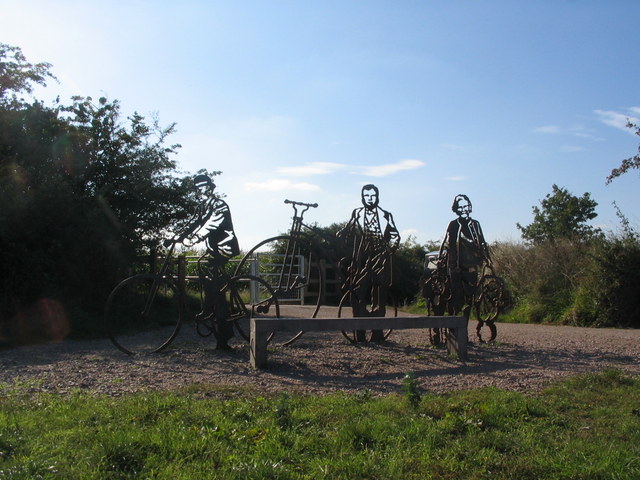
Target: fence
pixel 269 267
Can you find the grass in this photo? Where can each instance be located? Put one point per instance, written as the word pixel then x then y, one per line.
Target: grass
pixel 587 427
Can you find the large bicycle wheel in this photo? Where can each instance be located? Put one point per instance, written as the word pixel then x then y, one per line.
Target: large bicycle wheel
pixel 295 277
pixel 143 314
pixel 249 296
pixel 362 336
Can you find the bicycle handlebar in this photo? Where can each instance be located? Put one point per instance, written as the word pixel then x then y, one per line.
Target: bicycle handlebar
pixel 308 205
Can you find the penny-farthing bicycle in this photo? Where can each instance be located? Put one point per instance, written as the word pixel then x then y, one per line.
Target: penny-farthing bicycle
pixel 291 264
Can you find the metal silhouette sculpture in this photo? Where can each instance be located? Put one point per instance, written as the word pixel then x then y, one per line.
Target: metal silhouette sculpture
pixel 145 311
pixel 374 237
pixel 466 252
pixel 460 277
pixel 212 224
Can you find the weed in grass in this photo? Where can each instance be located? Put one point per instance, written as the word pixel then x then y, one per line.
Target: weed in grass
pixel 411 389
pixel 363 396
pixel 123 459
pixel 9 443
pixel 283 412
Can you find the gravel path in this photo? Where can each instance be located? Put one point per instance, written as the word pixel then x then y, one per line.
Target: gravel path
pixel 524 358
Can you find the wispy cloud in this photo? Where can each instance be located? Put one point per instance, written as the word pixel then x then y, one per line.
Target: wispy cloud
pixel 454 178
pixel 325 168
pixel 279 185
pixel 313 168
pixel 619 120
pixel 551 129
pixel 571 148
pixel 391 168
pixel 574 131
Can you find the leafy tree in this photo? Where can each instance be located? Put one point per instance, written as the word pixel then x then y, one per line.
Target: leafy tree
pixel 628 163
pixel 18 76
pixel 82 193
pixel 128 170
pixel 561 215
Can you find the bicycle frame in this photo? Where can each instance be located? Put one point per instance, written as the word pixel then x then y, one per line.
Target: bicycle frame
pixel 163 275
pixel 299 209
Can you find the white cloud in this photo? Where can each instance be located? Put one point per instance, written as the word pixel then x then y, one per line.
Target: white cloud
pixel 456 178
pixel 571 148
pixel 409 233
pixel 325 168
pixel 314 168
pixel 391 168
pixel 279 184
pixel 552 129
pixel 618 120
pixel 574 131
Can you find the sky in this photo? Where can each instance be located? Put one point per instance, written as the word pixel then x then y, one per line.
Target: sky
pixel 309 101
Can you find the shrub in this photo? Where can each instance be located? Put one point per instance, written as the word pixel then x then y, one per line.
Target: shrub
pixel 541 278
pixel 588 284
pixel 609 295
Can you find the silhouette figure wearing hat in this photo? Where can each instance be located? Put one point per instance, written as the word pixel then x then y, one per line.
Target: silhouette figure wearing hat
pixel 212 224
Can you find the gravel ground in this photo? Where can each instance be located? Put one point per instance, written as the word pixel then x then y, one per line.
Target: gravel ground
pixel 523 358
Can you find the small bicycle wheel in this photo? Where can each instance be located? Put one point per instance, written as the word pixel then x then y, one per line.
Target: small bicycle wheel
pixel 354 336
pixel 249 296
pixel 435 293
pixel 488 305
pixel 143 314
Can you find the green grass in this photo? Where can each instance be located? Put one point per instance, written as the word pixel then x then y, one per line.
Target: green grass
pixel 587 427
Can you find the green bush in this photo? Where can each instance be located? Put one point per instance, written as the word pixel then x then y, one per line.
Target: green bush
pixel 541 278
pixel 591 283
pixel 609 296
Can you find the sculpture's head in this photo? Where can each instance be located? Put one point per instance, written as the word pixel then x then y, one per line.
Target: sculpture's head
pixel 370 196
pixel 462 206
pixel 204 184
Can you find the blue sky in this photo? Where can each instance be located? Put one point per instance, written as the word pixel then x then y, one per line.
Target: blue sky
pixel 311 100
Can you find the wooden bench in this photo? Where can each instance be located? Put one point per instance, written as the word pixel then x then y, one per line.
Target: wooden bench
pixel 455 333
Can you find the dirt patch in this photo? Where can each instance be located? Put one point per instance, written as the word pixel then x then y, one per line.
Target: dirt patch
pixel 523 358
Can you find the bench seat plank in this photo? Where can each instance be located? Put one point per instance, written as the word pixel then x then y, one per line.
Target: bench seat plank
pixel 261 328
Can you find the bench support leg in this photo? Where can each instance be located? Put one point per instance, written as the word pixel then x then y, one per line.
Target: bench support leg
pixel 457 339
pixel 258 347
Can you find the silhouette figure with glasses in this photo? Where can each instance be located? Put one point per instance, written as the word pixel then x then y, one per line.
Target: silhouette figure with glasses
pixel 465 251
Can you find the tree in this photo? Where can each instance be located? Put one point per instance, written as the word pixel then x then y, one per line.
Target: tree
pixel 628 163
pixel 561 216
pixel 18 76
pixel 128 170
pixel 82 193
